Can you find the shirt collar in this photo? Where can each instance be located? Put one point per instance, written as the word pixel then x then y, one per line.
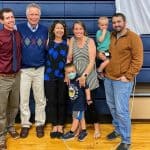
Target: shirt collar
pixel 8 31
pixel 31 28
pixel 125 34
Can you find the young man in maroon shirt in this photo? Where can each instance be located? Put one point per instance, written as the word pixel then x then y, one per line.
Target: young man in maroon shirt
pixel 10 58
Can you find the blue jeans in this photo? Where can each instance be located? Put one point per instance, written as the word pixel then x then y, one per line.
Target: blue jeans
pixel 117 97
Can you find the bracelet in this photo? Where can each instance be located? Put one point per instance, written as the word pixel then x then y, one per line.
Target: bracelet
pixel 89 100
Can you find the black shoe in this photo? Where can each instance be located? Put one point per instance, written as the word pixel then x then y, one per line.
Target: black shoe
pixel 24 132
pixel 53 135
pixel 68 136
pixel 82 135
pixel 40 131
pixel 59 135
pixel 113 135
pixel 123 146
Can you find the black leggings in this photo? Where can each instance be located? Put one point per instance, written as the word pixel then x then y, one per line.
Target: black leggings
pixel 55 91
pixel 91 113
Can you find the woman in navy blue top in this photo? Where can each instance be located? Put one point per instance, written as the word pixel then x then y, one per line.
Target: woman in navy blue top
pixel 55 88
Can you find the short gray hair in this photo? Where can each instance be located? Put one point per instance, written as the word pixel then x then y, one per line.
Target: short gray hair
pixel 34 5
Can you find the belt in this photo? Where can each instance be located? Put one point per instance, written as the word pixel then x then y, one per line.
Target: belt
pixel 13 75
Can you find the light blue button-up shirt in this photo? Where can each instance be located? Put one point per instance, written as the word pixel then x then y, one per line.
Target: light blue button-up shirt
pixel 33 29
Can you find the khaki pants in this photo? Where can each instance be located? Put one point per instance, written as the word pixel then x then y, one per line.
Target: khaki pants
pixel 9 102
pixel 35 78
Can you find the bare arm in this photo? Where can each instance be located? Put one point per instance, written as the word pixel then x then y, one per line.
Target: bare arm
pixel 69 59
pixel 88 96
pixel 69 56
pixel 101 38
pixel 92 55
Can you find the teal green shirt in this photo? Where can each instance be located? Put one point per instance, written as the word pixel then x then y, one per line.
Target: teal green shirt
pixel 104 45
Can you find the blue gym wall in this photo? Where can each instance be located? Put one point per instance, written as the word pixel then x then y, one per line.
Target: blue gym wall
pixel 87 11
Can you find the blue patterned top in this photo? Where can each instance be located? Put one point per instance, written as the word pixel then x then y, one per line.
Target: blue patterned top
pixel 55 60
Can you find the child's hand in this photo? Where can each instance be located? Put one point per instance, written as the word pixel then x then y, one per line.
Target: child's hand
pixel 102 56
pixel 67 80
pixel 82 81
pixel 104 30
pixel 101 38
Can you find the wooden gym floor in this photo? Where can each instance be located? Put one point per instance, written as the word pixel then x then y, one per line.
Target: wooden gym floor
pixel 140 140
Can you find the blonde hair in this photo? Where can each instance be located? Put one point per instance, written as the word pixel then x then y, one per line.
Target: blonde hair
pixel 104 18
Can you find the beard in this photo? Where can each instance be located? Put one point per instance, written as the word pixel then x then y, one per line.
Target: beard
pixel 118 29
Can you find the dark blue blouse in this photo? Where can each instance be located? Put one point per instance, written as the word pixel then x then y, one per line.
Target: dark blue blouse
pixel 55 60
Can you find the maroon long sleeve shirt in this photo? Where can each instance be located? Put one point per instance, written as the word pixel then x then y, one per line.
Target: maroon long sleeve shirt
pixel 6 51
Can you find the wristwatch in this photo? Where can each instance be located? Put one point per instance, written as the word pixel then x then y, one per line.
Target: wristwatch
pixel 85 75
